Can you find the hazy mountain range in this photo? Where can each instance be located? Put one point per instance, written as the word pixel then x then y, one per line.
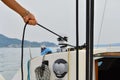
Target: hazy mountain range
pixel 14 42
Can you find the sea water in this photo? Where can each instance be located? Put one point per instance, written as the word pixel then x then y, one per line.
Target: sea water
pixel 10 60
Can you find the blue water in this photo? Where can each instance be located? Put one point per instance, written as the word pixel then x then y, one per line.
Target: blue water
pixel 10 60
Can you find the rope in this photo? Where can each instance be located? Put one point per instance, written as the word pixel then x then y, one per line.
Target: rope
pixel 68 63
pixel 50 31
pixel 22 45
pixel 102 22
pixel 42 72
pixel 28 68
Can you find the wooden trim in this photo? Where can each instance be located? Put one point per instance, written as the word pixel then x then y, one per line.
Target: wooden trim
pixel 96 69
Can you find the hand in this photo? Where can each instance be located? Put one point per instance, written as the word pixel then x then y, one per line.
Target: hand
pixel 28 17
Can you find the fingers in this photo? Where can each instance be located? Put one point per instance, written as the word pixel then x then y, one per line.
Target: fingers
pixel 32 22
pixel 30 19
pixel 26 19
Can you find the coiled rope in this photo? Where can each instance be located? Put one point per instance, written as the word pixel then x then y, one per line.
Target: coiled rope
pixel 42 72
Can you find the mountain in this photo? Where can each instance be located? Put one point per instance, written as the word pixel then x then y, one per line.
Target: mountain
pixel 108 45
pixel 13 42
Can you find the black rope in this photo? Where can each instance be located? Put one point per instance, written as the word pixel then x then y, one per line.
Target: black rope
pixel 22 75
pixel 77 38
pixel 49 30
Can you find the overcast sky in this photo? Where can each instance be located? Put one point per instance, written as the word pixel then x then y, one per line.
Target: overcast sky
pixel 59 16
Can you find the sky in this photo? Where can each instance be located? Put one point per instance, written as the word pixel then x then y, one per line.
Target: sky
pixel 60 17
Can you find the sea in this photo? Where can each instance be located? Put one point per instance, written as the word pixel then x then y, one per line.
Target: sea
pixel 10 60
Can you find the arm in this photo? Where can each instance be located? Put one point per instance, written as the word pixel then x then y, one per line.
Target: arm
pixel 26 15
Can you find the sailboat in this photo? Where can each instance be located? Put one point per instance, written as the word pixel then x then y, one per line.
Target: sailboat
pixel 70 65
